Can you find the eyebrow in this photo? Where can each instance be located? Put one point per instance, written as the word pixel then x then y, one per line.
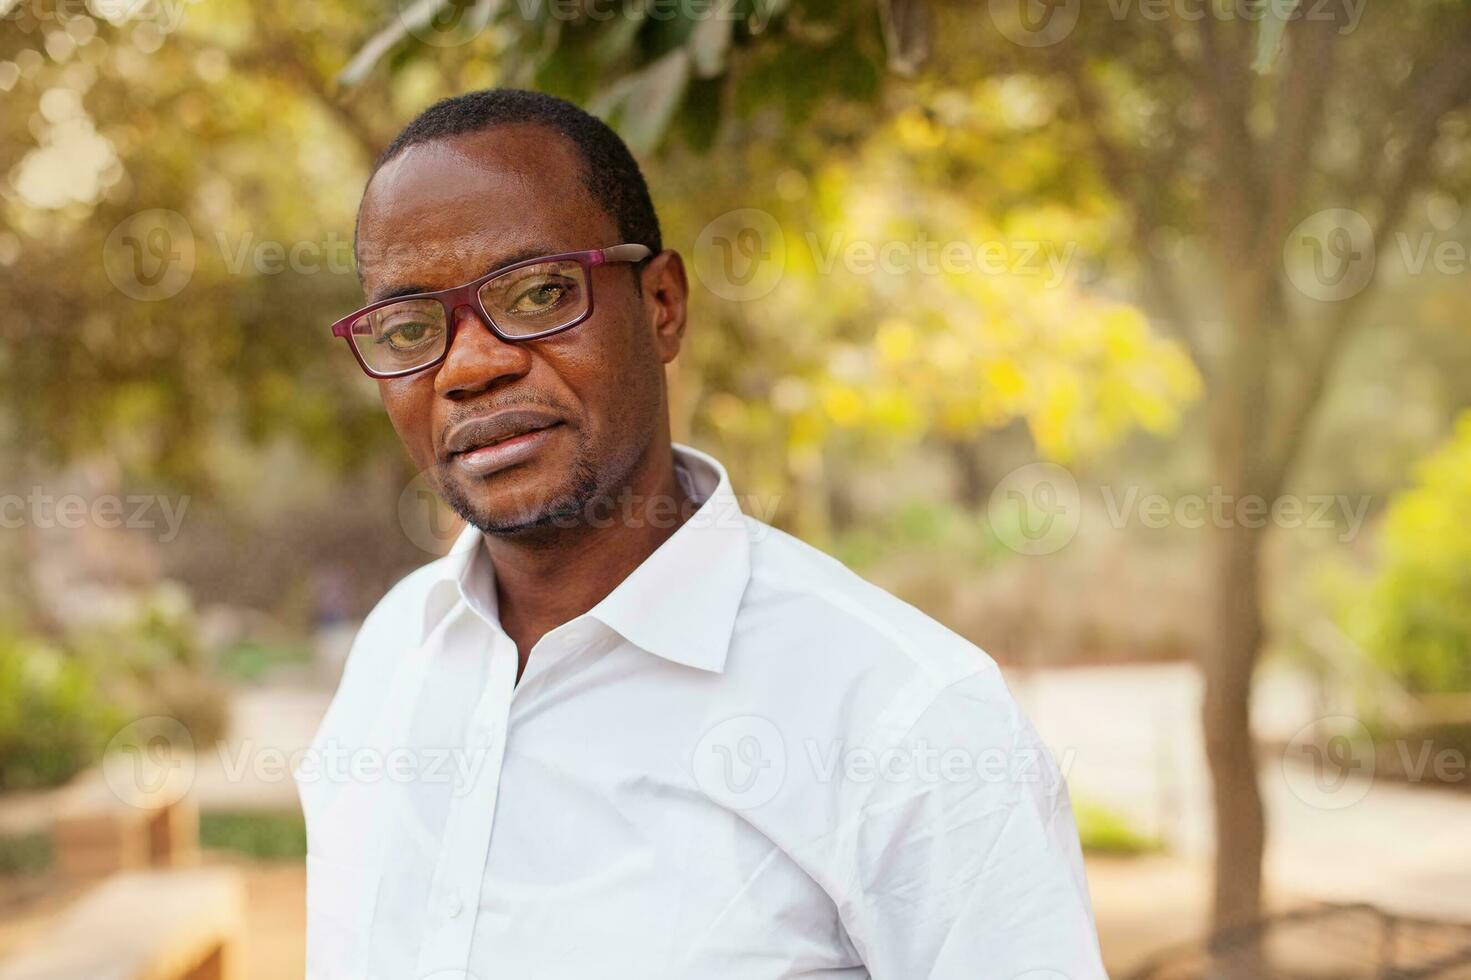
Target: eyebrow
pixel 536 251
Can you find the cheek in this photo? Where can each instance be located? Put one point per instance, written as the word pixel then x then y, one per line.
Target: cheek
pixel 612 374
pixel 409 403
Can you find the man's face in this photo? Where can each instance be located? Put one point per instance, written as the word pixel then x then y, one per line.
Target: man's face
pixel 446 212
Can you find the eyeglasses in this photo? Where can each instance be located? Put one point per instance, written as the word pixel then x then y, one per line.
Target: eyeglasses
pixel 525 301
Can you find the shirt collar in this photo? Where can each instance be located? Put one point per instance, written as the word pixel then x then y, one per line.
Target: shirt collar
pixel 462 575
pixel 680 604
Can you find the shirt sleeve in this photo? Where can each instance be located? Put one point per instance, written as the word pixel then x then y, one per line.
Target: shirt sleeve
pixel 966 856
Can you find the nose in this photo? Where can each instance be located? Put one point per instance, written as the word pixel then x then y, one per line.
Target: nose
pixel 478 360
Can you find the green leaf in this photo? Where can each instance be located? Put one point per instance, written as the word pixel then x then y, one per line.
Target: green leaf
pixel 640 105
pixel 699 119
pixel 798 78
pixel 1269 36
pixel 672 26
pixel 614 42
pixel 408 21
pixel 708 45
pixel 906 25
pixel 763 12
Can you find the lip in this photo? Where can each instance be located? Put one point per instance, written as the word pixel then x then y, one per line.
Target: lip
pixel 481 446
pixel 503 454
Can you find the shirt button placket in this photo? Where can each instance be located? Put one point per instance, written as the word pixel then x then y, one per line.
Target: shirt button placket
pixel 466 842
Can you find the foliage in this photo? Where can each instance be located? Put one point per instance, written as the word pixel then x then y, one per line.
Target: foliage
pixel 158 633
pixel 111 117
pixel 54 720
pixel 152 663
pixel 268 835
pixel 250 660
pixel 61 701
pixel 231 118
pixel 925 293
pixel 937 529
pixel 1105 831
pixel 1415 616
pixel 25 853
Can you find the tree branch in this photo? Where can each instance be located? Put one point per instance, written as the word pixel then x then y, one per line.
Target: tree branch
pixel 1441 90
pixel 1302 98
pixel 1227 90
pixel 281 51
pixel 1162 289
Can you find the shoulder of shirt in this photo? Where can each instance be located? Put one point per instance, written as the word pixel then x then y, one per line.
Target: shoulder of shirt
pixel 828 592
pixel 396 623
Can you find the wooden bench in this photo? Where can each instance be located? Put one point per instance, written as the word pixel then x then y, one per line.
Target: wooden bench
pixel 96 832
pixel 143 925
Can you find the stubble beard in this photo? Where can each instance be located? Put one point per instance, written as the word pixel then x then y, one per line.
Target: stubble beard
pixel 563 509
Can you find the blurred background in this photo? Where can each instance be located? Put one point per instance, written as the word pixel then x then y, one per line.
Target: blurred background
pixel 1128 339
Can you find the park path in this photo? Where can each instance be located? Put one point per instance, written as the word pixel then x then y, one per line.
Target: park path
pixel 271 725
pixel 1129 738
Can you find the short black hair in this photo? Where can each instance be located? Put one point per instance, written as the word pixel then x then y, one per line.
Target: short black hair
pixel 610 173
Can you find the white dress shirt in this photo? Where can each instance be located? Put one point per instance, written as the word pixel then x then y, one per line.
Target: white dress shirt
pixel 745 763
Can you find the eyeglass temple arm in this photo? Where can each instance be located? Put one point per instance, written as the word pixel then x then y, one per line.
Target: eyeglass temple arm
pixel 626 253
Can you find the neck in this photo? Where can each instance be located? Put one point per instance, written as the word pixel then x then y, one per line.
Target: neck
pixel 550 578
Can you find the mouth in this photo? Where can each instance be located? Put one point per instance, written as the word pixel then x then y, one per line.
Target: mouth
pixel 482 446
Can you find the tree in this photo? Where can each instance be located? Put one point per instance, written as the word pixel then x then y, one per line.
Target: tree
pixel 143 119
pixel 1217 130
pixel 1352 118
pixel 165 106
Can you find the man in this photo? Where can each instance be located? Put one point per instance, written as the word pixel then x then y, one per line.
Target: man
pixel 623 730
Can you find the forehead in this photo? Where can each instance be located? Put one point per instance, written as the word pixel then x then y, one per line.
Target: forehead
pixel 446 211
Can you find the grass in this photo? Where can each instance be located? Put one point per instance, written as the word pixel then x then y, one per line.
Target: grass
pixel 251 660
pixel 25 853
pixel 267 835
pixel 1105 831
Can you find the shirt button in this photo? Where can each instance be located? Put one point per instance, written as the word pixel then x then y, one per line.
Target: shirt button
pixel 455 906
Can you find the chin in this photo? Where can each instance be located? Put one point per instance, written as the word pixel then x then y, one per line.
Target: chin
pixel 511 502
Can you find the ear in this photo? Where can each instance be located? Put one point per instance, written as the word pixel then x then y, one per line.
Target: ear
pixel 666 298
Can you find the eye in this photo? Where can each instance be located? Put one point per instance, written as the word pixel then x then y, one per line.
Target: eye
pixel 409 334
pixel 540 296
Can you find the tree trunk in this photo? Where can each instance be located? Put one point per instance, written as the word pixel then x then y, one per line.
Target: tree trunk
pixel 1240 826
pixel 1239 429
pixel 973 483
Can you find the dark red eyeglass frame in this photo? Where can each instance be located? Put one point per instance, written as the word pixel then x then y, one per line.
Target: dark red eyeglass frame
pixel 468 295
